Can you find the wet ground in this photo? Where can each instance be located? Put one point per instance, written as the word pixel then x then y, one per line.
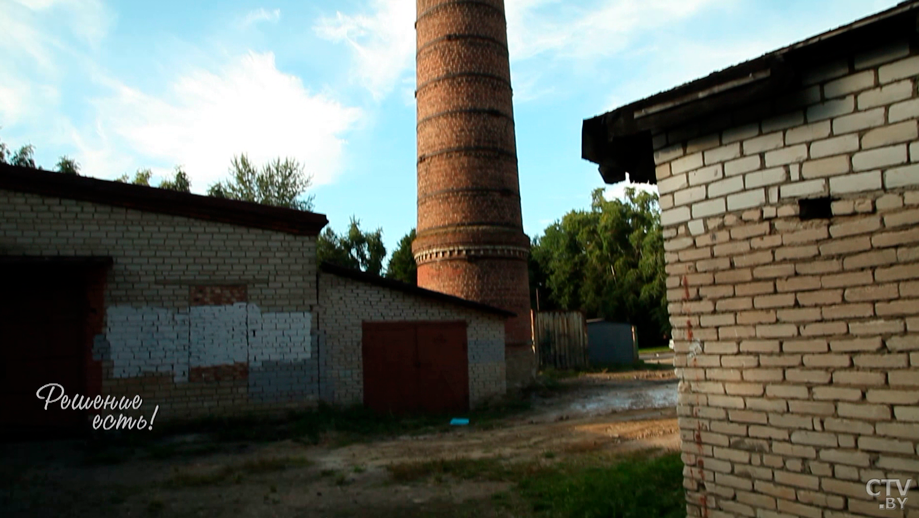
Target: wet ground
pixel 591 413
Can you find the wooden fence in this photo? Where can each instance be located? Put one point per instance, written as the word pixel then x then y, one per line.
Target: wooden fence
pixel 560 338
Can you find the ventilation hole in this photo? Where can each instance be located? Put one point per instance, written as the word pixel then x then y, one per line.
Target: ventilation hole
pixel 815 208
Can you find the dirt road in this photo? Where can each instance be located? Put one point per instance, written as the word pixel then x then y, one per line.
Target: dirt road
pixel 591 413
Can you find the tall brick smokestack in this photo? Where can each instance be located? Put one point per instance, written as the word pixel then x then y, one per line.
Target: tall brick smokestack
pixel 470 240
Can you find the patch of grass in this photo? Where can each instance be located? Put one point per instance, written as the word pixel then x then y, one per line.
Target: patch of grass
pixel 234 473
pixel 357 468
pixel 655 350
pixel 106 456
pixel 583 447
pixel 341 479
pixel 560 374
pixel 327 473
pixel 550 373
pixel 591 485
pixel 342 426
pixel 182 479
pixel 548 455
pixel 168 451
pixel 634 487
pixel 155 507
pixel 490 468
pixel 268 465
pixel 345 425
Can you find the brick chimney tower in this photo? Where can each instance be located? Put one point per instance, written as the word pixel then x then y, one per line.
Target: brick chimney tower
pixel 470 241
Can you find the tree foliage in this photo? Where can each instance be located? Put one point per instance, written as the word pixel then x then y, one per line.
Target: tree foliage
pixel 402 265
pixel 281 183
pixel 67 165
pixel 608 262
pixel 354 249
pixel 23 157
pixel 141 177
pixel 180 182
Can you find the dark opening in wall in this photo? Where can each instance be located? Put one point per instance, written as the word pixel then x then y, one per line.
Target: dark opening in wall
pixel 815 208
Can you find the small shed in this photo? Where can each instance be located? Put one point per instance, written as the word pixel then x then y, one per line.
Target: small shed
pixel 611 342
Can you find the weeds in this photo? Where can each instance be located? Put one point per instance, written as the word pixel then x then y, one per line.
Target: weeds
pixel 234 473
pixel 491 468
pixel 346 426
pixel 155 507
pixel 637 486
pixel 590 486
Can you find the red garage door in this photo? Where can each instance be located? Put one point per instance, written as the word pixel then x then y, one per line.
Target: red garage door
pixel 43 315
pixel 415 366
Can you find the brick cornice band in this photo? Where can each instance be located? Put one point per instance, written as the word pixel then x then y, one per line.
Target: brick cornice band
pixel 473 252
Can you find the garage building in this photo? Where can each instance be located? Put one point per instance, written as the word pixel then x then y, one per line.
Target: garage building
pixel 209 307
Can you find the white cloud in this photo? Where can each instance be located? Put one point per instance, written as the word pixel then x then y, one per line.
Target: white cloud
pixel 41 43
pixel 382 42
pixel 261 15
pixel 88 20
pixel 678 62
pixel 602 30
pixel 248 106
pixel 617 190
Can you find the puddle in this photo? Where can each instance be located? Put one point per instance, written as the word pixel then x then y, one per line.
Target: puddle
pixel 656 395
pixel 646 395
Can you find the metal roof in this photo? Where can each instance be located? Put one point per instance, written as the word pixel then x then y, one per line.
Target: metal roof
pixel 620 140
pixel 162 201
pixel 411 289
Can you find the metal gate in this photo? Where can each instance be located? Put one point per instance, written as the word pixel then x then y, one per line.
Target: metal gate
pixel 415 366
pixel 43 314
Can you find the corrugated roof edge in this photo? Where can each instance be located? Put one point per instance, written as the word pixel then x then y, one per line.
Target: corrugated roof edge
pixel 619 140
pixel 411 289
pixel 161 201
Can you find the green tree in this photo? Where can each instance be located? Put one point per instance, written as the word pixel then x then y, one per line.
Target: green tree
pixel 25 157
pixel 281 183
pixel 353 249
pixel 608 262
pixel 180 182
pixel 141 177
pixel 402 266
pixel 67 165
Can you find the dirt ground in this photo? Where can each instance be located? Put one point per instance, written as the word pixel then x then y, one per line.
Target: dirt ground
pixel 591 413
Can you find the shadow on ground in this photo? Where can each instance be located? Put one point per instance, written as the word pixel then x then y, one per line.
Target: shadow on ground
pixel 581 435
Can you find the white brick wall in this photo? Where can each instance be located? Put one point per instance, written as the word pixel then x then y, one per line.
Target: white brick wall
pixel 152 336
pixel 797 342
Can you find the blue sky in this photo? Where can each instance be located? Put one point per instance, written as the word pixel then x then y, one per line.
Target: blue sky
pixel 121 85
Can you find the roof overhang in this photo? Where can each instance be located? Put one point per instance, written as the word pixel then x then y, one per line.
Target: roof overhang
pixel 620 141
pixel 411 289
pixel 163 201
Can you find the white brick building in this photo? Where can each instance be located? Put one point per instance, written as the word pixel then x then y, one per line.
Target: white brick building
pixel 209 307
pixel 790 204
